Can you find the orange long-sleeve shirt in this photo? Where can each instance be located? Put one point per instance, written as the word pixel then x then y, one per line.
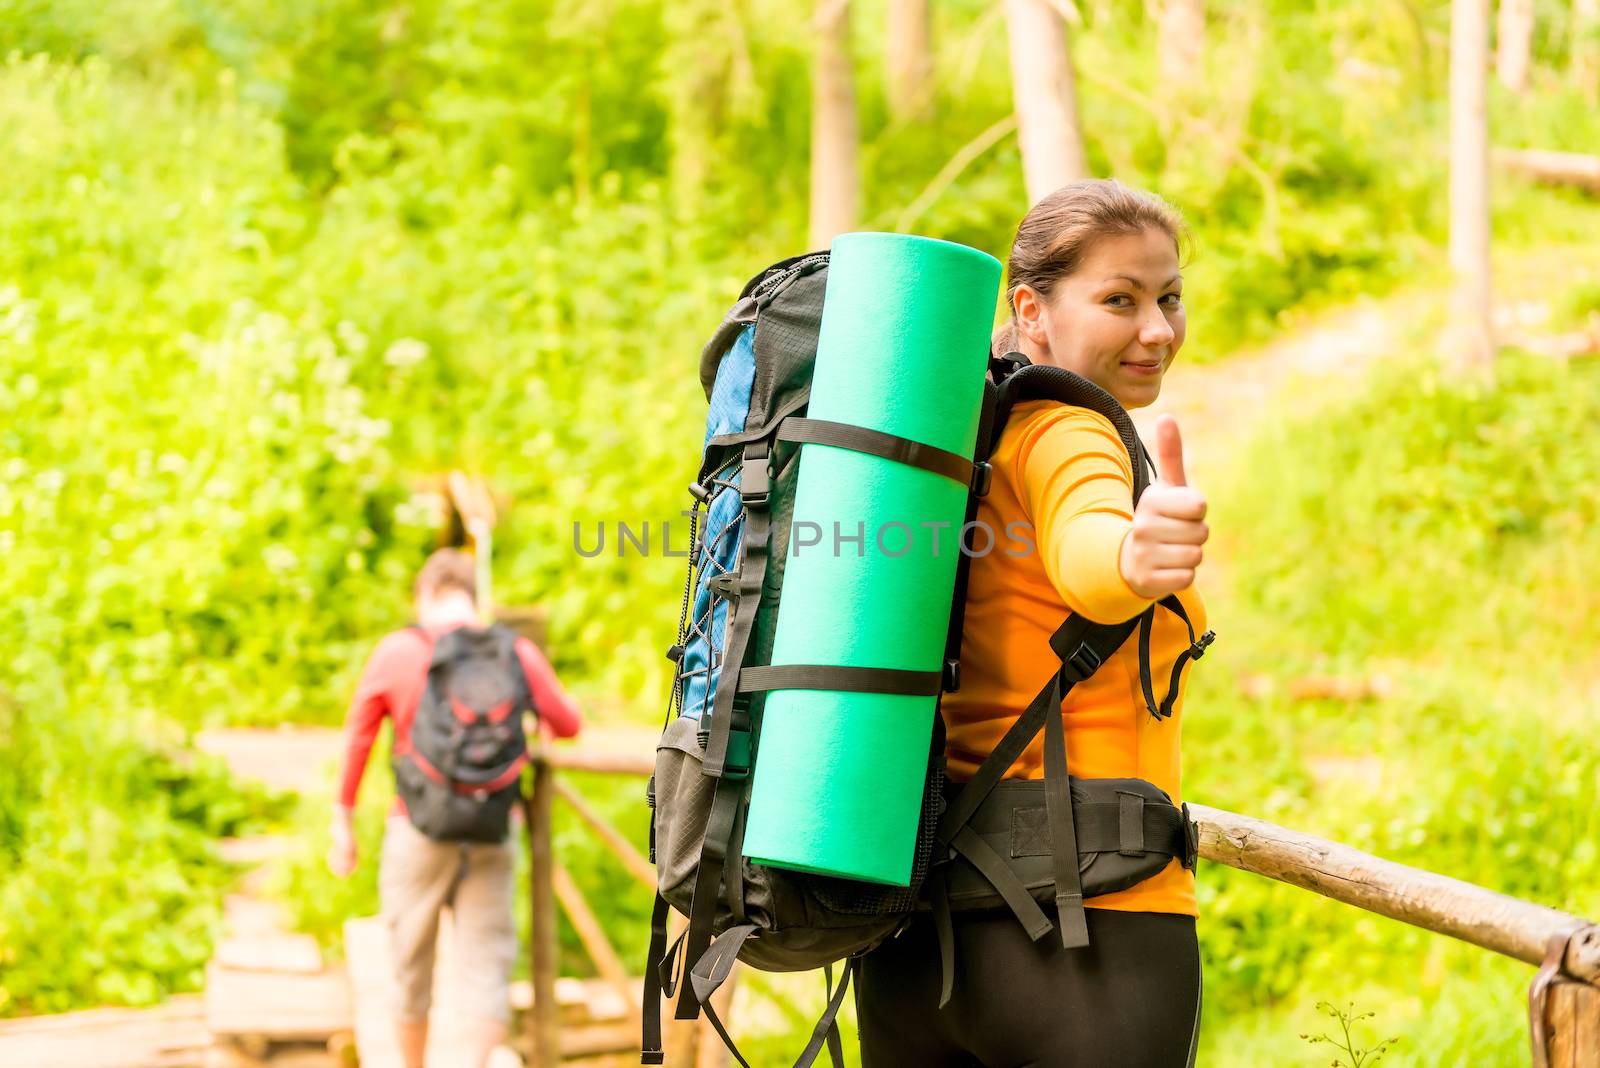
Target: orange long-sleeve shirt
pixel 1060 507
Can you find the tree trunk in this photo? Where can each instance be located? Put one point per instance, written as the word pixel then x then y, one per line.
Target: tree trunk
pixel 910 57
pixel 697 89
pixel 1514 45
pixel 1586 47
pixel 1181 44
pixel 1045 97
pixel 835 139
pixel 1470 341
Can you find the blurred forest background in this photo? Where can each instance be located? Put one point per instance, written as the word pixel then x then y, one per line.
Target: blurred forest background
pixel 266 269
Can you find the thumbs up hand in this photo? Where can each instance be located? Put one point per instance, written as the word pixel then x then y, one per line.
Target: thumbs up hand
pixel 1162 552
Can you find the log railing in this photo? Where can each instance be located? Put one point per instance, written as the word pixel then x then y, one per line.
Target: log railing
pixel 1564 1000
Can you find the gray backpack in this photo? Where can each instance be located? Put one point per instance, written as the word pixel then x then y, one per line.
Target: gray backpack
pixel 981 845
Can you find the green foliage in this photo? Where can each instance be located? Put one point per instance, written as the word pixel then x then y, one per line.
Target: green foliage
pixel 90 813
pixel 1433 533
pixel 264 269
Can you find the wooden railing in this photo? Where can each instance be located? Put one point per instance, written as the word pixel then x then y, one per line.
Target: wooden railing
pixel 1564 1007
pixel 553 886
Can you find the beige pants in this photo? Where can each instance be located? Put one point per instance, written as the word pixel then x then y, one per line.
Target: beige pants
pixel 418 877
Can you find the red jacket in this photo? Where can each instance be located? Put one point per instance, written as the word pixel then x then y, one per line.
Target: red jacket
pixel 392 684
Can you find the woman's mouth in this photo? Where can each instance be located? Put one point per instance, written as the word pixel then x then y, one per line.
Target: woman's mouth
pixel 1143 368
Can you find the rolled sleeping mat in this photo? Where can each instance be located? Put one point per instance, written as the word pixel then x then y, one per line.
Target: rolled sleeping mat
pixel 903 350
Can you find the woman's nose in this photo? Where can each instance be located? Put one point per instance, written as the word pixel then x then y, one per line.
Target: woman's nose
pixel 1155 331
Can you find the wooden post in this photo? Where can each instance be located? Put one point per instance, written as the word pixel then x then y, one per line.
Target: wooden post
pixel 1470 339
pixel 544 1020
pixel 1572 1017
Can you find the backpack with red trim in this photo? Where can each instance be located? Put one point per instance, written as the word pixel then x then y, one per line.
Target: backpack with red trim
pixel 459 771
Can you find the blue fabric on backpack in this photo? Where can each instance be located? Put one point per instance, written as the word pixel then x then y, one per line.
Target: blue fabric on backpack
pixel 724 523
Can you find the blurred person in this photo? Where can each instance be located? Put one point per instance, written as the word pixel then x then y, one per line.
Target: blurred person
pixel 454 693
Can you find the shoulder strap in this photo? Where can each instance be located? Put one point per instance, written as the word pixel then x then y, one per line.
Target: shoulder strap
pixel 1081 644
pixel 1043 382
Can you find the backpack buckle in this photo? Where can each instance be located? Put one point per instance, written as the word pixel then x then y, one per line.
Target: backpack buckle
pixel 755 481
pixel 1198 649
pixel 952 676
pixel 1083 662
pixel 736 765
pixel 1191 839
pixel 982 478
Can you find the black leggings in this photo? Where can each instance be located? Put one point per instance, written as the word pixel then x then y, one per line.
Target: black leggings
pixel 1130 999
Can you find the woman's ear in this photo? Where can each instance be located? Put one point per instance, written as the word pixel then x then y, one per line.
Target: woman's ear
pixel 1028 308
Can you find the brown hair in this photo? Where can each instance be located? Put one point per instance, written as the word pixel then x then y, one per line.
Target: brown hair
pixel 1057 232
pixel 447 569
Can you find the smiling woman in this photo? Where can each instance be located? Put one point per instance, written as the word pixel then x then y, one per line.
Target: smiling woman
pixel 1095 288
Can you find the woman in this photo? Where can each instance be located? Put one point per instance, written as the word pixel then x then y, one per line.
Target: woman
pixel 1095 287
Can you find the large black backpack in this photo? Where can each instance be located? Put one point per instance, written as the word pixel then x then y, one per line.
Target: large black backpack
pixel 459 772
pixel 1079 837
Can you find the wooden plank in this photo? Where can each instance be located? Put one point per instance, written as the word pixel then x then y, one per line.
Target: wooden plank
pixel 641 869
pixel 1516 928
pixel 277 1006
pixel 638 764
pixel 288 953
pixel 170 1034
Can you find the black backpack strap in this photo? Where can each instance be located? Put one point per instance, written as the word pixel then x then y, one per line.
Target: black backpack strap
pixel 650 1045
pixel 1082 646
pixel 1197 649
pixel 1045 382
pixel 728 736
pixel 951 465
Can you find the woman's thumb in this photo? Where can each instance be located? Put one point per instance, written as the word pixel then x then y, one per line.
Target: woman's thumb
pixel 1169 452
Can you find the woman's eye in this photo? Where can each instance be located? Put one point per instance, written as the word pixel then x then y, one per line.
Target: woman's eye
pixel 1120 300
pixel 1172 300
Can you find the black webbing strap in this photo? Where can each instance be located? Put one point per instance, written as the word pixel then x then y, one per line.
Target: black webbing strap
pixel 1197 649
pixel 1083 646
pixel 733 869
pixel 1063 836
pixel 754 486
pixel 727 716
pixel 944 928
pixel 827 1030
pixel 650 1047
pixel 980 855
pixel 714 857
pixel 1132 824
pixel 951 465
pixel 840 677
pixel 712 971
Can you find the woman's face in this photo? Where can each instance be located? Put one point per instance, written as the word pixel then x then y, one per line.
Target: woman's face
pixel 1118 320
